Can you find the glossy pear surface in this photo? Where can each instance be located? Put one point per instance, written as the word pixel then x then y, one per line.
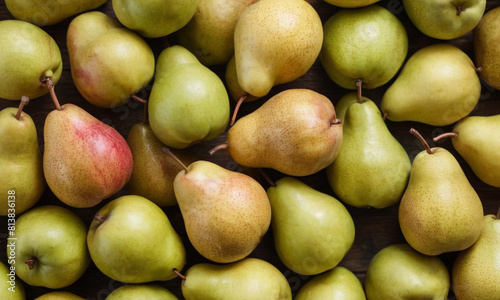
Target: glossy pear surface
pixel 189 102
pixel 266 138
pixel 351 3
pixel 84 159
pixel 141 291
pixel 28 54
pixel 437 86
pixel 367 43
pixel 440 211
pixel 486 51
pixel 237 280
pixel 98 46
pixel 372 167
pixel 225 213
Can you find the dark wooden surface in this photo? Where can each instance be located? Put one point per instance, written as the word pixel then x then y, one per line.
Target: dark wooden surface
pixel 375 229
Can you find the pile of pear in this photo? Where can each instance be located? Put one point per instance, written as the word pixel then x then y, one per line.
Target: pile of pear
pixel 132 180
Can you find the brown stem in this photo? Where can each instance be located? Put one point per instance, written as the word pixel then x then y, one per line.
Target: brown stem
pixel 384 116
pixel 139 99
pixel 145 117
pixel 478 69
pixel 498 213
pixel 167 150
pixel 445 135
pixel 237 108
pixel 24 100
pixel 50 85
pixel 336 122
pixel 179 274
pixel 31 262
pixel 460 9
pixel 422 140
pixel 266 176
pixel 217 148
pixel 359 84
pixel 99 219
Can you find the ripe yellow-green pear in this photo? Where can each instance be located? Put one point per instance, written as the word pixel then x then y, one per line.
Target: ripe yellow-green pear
pixel 437 86
pixel 445 19
pixel 247 279
pixel 29 54
pixel 132 240
pixel 109 63
pixel 400 272
pixel 351 3
pixel 326 231
pixel 59 295
pixel 440 211
pixel 338 283
pixel 51 247
pixel 486 50
pixel 141 291
pixel 152 18
pixel 43 13
pixel 22 179
pixel 367 44
pixel 12 288
pixel 476 270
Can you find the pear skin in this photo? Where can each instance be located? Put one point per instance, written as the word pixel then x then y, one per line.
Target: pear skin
pixel 351 3
pixel 486 52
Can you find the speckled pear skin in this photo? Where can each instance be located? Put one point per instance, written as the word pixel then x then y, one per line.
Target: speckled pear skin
pixel 295 132
pixel 226 213
pixel 275 41
pixel 486 51
pixel 440 211
pixel 84 159
pixel 351 3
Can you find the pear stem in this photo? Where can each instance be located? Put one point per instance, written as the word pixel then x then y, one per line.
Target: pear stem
pixel 237 108
pixel 145 117
pixel 359 83
pixel 266 176
pixel 384 117
pixel 99 219
pixel 50 85
pixel 167 151
pixel 139 99
pixel 445 135
pixel 217 148
pixel 24 100
pixel 31 262
pixel 460 9
pixel 478 69
pixel 421 139
pixel 179 274
pixel 498 214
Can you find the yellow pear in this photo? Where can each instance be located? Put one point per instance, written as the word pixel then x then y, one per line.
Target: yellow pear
pixel 486 50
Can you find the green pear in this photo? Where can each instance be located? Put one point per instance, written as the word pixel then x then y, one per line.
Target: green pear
pixel 50 247
pixel 476 271
pixel 351 3
pixel 209 35
pixel 266 138
pixel 476 139
pixel 43 13
pixel 11 287
pixel 247 279
pixel 141 291
pixel 485 45
pixel 188 103
pixel 367 44
pixel 326 231
pixel 437 86
pixel 98 46
pixel 226 213
pixel 59 295
pixel 400 272
pixel 445 19
pixel 338 283
pixel 152 18
pixel 22 176
pixel 29 54
pixel 345 101
pixel 132 240
pixel 372 167
pixel 440 211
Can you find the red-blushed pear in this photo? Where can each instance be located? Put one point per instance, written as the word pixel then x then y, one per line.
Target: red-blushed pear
pixel 85 160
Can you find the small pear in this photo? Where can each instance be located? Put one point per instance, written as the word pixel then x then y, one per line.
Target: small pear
pixel 351 3
pixel 486 50
pixel 141 291
pixel 326 231
pixel 59 295
pixel 440 211
pixel 437 86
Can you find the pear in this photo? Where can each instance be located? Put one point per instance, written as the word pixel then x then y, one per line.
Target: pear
pixel 437 86
pixel 351 3
pixel 152 18
pixel 326 232
pixel 476 271
pixel 476 139
pixel 11 287
pixel 209 35
pixel 266 138
pixel 485 45
pixel 29 54
pixel 98 46
pixel 372 167
pixel 188 103
pixel 43 13
pixel 21 160
pixel 247 279
pixel 84 159
pixel 226 213
pixel 59 295
pixel 141 291
pixel 338 283
pixel 440 211
pixel 445 19
pixel 400 272
pixel 132 240
pixel 367 44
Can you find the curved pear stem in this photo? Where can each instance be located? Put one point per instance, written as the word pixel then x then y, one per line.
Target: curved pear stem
pixel 167 151
pixel 266 176
pixel 421 139
pixel 31 262
pixel 384 116
pixel 99 219
pixel 498 214
pixel 24 100
pixel 359 84
pixel 145 117
pixel 445 135
pixel 460 9
pixel 50 85
pixel 237 108
pixel 217 148
pixel 179 274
